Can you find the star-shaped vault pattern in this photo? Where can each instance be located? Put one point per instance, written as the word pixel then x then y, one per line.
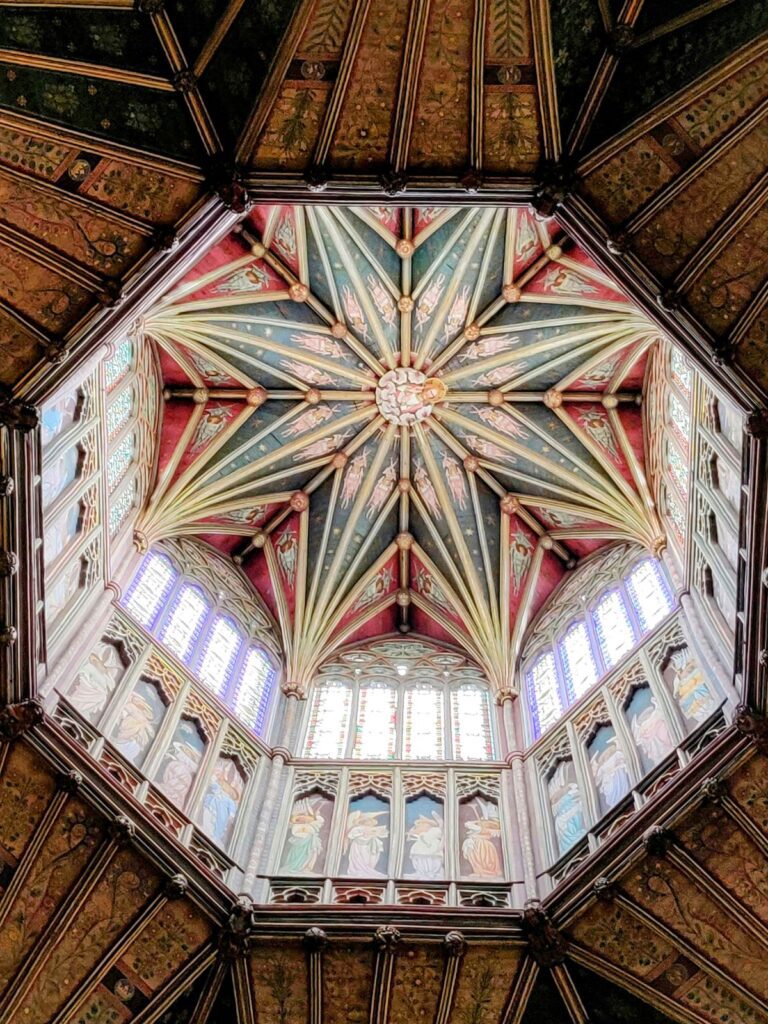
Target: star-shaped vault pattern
pixel 401 419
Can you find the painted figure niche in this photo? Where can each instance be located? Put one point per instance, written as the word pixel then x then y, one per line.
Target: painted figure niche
pixel 689 686
pixel 97 679
pixel 182 759
pixel 481 857
pixel 648 727
pixel 424 845
pixel 139 719
pixel 608 766
pixel 305 849
pixel 365 844
pixel 566 806
pixel 222 800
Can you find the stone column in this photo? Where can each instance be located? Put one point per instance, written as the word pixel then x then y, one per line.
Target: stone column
pixel 514 758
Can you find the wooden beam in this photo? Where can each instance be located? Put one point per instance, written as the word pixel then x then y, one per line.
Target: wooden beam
pixel 386 940
pixel 569 994
pixel 244 999
pixel 175 986
pixel 315 941
pixel 64 65
pixel 520 993
pixel 455 947
pixel 405 102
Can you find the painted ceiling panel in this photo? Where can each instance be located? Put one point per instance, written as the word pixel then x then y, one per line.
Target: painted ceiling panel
pixel 372 404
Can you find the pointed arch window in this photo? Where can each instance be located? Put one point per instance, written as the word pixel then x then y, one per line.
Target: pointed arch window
pixel 423 737
pixel 329 721
pixel 219 653
pixel 471 720
pixel 251 699
pixel 607 631
pixel 186 618
pixel 375 730
pixel 150 589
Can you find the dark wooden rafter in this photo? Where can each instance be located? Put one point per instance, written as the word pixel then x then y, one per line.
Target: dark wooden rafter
pixel 702 961
pixel 386 941
pixel 45 255
pixel 619 40
pixel 681 20
pixel 569 994
pixel 315 941
pixel 206 1001
pixel 672 106
pixel 185 81
pixel 216 38
pixel 65 65
pixel 477 96
pixel 455 947
pixel 725 230
pixel 243 988
pixel 62 920
pixel 405 102
pixel 176 985
pixel 173 888
pixel 338 93
pixel 520 992
pixel 680 182
pixel 543 52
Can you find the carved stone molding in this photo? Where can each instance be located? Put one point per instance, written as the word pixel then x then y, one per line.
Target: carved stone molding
pixel 546 944
pixel 16 719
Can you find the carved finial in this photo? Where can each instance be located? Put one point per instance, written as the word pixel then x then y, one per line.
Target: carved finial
pixel 299 292
pixel 16 415
pixel 70 781
pixel 404 247
pixel 404 541
pixel 16 719
pixel 553 398
pixel 386 938
pixel 454 944
pixel 8 636
pixel 316 178
pixel 176 886
pixel 603 888
pixel 256 396
pixel 713 789
pixel 547 946
pixel 315 939
pixel 9 563
pixel 122 829
pixel 621 38
pixel 657 840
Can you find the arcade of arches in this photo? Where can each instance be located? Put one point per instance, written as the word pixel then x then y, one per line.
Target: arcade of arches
pixel 383 445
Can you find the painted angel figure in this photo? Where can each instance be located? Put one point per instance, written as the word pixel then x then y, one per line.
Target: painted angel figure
pixel 376 588
pixel 601 373
pixel 566 806
pixel 364 843
pixel 690 688
pixel 487 448
pixel 382 490
pixel 354 312
pixel 501 421
pixel 454 476
pixel 487 347
pixel 427 490
pixel 135 727
pixel 353 477
pixel 213 421
pixel 308 420
pixel 320 344
pixel 304 844
pixel 457 314
pixel 609 767
pixel 426 853
pixel 499 374
pixel 520 550
pixel 599 429
pixel 285 237
pixel 526 240
pixel 382 300
pixel 221 801
pixel 481 843
pixel 323 446
pixel 563 280
pixel 179 771
pixel 308 374
pixel 428 302
pixel 210 373
pixel 651 733
pixel 96 680
pixel 287 548
pixel 248 279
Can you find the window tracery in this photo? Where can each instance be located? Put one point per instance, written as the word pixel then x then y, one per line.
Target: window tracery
pixel 221 635
pixel 588 638
pixel 407 700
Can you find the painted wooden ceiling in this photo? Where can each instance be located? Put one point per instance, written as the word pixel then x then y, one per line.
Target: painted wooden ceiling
pixel 413 418
pixel 119 122
pixel 99 926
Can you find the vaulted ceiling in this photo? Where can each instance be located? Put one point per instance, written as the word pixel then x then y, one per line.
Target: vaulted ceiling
pixel 99 925
pixel 119 122
pixel 401 418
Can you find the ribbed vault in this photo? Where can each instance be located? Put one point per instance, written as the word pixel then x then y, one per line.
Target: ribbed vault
pixel 401 417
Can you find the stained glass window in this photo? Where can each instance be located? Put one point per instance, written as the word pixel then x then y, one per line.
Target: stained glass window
pixel 254 689
pixel 578 660
pixel 121 506
pixel 219 653
pixel 614 630
pixel 118 412
pixel 470 716
pixel 681 372
pixel 329 721
pixel 544 693
pixel 150 588
pixel 119 460
pixel 678 467
pixel 681 421
pixel 183 625
pixel 649 594
pixel 375 729
pixel 423 734
pixel 118 365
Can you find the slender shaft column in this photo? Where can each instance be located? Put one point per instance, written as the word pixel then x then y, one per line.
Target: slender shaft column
pixel 279 757
pixel 514 758
pixel 707 652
